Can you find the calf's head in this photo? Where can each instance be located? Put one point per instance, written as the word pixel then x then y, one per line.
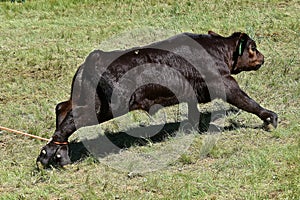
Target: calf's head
pixel 246 56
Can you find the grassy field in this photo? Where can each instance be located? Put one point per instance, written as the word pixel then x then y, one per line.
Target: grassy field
pixel 43 42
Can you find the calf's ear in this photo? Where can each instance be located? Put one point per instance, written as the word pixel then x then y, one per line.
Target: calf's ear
pixel 214 34
pixel 242 42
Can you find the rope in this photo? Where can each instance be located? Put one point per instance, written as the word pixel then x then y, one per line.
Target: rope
pixel 22 133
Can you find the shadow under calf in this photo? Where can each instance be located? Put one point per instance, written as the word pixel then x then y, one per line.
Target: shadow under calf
pixel 143 135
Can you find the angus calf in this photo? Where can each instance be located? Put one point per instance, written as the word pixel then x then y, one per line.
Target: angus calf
pixel 188 68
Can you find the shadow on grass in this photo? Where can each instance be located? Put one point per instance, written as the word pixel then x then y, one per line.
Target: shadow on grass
pixel 122 140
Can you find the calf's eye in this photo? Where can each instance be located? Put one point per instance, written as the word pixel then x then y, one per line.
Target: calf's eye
pixel 44 152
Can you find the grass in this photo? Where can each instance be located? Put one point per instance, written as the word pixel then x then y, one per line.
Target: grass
pixel 43 42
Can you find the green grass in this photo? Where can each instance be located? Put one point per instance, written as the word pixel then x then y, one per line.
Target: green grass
pixel 43 42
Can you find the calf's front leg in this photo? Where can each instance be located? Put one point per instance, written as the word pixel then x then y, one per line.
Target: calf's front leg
pixel 238 98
